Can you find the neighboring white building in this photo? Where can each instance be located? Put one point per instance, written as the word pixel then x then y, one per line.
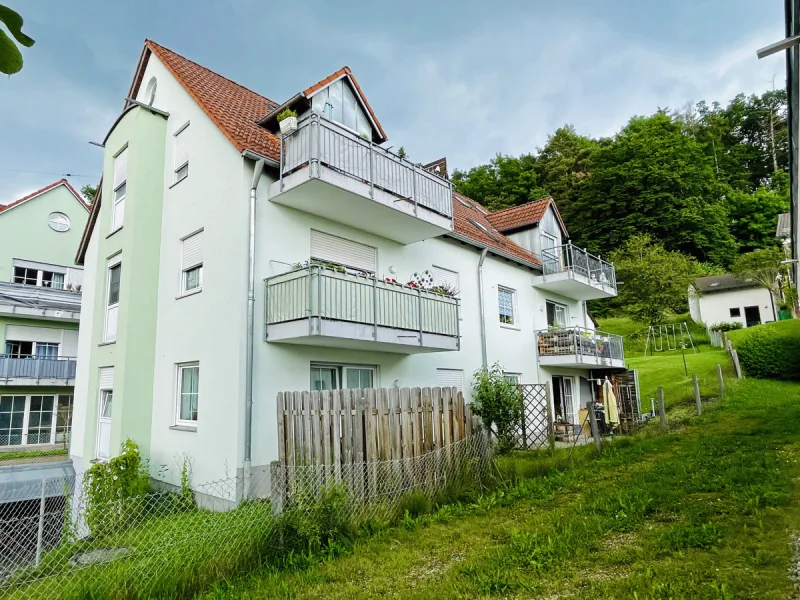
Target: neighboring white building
pixel 729 298
pixel 209 227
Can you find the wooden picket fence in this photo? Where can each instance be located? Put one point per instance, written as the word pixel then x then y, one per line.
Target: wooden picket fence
pixel 347 427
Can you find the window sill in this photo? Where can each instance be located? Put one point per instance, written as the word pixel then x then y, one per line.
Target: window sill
pixel 512 327
pixel 118 229
pixel 189 293
pixel 189 428
pixel 109 343
pixel 177 182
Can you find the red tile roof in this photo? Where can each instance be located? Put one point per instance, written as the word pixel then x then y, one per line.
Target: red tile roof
pixel 232 107
pixel 484 232
pixel 333 77
pixel 47 188
pixel 526 214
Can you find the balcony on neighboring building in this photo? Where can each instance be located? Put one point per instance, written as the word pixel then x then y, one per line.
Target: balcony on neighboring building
pixel 36 302
pixel 569 271
pixel 329 306
pixel 37 370
pixel 579 347
pixel 329 171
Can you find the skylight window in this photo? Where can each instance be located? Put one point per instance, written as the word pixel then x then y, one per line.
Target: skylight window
pixel 715 284
pixel 463 203
pixel 478 225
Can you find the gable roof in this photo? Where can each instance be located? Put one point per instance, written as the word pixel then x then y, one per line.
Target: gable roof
pixel 471 221
pixel 530 213
pixel 47 188
pixel 723 283
pixel 233 108
pixel 301 102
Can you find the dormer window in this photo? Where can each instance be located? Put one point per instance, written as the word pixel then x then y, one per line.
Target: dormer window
pixel 338 103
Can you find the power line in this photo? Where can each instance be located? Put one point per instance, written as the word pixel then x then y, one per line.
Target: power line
pixel 50 173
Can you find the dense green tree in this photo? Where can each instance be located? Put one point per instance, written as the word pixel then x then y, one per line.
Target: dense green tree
pixel 754 215
pixel 763 265
pixel 505 181
pixel 655 281
pixel 89 192
pixel 653 179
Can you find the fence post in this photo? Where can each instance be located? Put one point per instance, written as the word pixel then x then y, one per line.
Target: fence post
pixel 736 365
pixel 721 381
pixel 593 424
pixel 662 412
pixel 697 399
pixel 40 532
pixel 551 437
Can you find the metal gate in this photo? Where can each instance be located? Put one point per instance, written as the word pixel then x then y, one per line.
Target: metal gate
pixel 534 427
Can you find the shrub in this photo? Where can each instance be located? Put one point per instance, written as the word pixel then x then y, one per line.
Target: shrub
pixel 285 114
pixel 771 350
pixel 498 401
pixel 726 326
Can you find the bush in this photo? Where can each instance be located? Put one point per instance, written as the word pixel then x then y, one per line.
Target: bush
pixel 726 326
pixel 498 401
pixel 285 114
pixel 771 350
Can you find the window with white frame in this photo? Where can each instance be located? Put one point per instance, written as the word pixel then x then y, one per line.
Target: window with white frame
pixel 181 158
pixel 58 221
pixel 40 277
pixel 188 393
pixel 506 299
pixel 557 314
pixel 112 298
pixel 513 378
pixel 120 189
pixel 12 420
pixel 192 263
pixel 334 377
pixel 63 420
pixel 40 420
pixel 23 349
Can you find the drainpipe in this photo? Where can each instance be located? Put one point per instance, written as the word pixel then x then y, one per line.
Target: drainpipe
pixel 480 305
pixel 251 308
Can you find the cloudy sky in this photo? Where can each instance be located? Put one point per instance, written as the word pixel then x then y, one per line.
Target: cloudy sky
pixel 462 79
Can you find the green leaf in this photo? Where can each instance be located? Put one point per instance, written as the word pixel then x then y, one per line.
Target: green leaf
pixel 10 57
pixel 13 21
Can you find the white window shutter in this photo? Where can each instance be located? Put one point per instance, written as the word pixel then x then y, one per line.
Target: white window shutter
pixel 182 148
pixel 111 323
pixel 450 378
pixel 330 248
pixel 107 378
pixel 121 168
pixel 192 254
pixel 444 277
pixel 22 333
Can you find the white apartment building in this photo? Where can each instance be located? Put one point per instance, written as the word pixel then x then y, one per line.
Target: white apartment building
pixel 226 262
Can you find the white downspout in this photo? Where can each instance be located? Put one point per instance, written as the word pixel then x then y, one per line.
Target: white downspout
pixel 251 306
pixel 480 305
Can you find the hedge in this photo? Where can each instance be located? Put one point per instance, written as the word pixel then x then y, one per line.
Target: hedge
pixel 771 350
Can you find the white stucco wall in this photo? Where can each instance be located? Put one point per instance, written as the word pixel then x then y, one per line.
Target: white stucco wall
pixel 715 307
pixel 210 326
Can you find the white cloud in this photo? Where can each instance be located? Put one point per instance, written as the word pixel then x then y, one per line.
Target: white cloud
pixel 505 89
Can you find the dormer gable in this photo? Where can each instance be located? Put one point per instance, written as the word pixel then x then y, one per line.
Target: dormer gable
pixel 339 98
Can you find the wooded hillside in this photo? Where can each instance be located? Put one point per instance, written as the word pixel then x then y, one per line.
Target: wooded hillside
pixel 707 180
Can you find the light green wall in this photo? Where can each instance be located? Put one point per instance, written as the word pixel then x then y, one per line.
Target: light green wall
pixel 133 353
pixel 25 233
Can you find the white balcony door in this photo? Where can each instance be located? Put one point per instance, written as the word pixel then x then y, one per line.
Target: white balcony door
pixel 104 425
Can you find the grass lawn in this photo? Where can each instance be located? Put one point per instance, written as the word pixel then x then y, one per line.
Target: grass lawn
pixel 707 511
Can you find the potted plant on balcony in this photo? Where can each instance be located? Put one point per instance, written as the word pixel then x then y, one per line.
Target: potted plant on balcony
pixel 287 119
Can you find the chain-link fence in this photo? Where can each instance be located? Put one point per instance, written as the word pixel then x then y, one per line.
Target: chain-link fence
pixel 57 541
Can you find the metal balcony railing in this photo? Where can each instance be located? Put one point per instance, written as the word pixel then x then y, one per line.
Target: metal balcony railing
pixel 337 295
pixel 579 341
pixel 35 367
pixel 571 258
pixel 319 142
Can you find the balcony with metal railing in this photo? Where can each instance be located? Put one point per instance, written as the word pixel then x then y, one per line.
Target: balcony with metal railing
pixel 329 171
pixel 37 370
pixel 575 273
pixel 51 304
pixel 324 306
pixel 579 347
